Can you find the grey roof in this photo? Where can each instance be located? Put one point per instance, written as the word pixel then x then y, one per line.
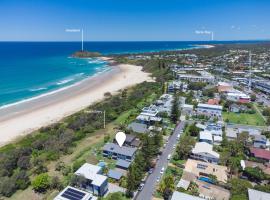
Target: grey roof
pixel 129 138
pixel 182 196
pixel 123 163
pixel 138 127
pixel 127 151
pixel 260 138
pixel 114 174
pixel 258 195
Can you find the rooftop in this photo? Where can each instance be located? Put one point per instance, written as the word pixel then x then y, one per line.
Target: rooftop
pixel 198 167
pixel 127 151
pixel 91 172
pixel 202 105
pixel 206 135
pixel 71 193
pixel 203 147
pixel 258 195
pixel 260 153
pixel 182 196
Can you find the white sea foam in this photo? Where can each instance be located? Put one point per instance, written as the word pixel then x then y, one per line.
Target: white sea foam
pixel 65 81
pixel 37 89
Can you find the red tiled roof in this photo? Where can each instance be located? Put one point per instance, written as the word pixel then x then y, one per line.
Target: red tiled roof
pixel 213 101
pixel 260 153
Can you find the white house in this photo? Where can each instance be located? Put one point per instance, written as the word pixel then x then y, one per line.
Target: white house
pixel 204 151
pixel 96 182
pixel 206 136
pixel 209 110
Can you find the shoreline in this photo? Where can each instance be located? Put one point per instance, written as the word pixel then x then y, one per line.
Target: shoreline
pixel 25 117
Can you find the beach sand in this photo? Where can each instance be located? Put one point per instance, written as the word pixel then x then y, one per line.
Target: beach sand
pixel 23 118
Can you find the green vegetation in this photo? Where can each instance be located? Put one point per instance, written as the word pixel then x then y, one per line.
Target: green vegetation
pixel 239 189
pixel 175 109
pixel 115 196
pixel 196 85
pixel 41 183
pixel 85 54
pixel 244 118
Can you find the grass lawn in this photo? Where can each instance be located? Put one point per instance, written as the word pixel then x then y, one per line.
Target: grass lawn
pixel 244 118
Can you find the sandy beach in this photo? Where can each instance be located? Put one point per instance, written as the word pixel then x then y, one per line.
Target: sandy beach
pixel 23 118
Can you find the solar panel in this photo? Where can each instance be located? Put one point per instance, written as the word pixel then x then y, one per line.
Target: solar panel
pixel 72 194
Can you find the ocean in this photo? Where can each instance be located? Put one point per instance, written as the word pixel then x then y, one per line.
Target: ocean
pixel 29 69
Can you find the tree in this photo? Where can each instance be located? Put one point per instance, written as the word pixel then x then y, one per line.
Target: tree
pixel 41 182
pixel 175 109
pixel 253 97
pixel 131 181
pixel 239 187
pixel 255 174
pixel 266 111
pixel 7 186
pixel 194 130
pixel 55 183
pixel 186 144
pixel 167 186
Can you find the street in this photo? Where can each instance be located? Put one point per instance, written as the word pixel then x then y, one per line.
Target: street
pixel 151 182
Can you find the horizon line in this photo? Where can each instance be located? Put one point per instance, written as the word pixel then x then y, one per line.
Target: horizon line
pixel 136 40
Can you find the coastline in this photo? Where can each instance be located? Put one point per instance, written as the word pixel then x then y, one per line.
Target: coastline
pixel 25 117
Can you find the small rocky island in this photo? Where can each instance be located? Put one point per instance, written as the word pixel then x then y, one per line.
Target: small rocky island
pixel 85 54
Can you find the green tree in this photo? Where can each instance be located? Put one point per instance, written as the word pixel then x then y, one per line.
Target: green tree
pixel 255 174
pixel 166 185
pixel 41 182
pixel 194 130
pixel 184 147
pixel 239 187
pixel 175 109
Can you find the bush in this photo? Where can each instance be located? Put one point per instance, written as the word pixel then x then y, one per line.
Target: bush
pixel 41 183
pixel 7 186
pixel 77 164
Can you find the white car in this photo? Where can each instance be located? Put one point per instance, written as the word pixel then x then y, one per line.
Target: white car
pixel 162 170
pixel 169 157
pixel 158 179
pixel 174 146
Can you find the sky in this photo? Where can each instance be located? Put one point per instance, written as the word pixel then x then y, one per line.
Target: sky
pixel 134 20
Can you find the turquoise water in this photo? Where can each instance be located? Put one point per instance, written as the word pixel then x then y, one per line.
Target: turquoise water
pixel 29 69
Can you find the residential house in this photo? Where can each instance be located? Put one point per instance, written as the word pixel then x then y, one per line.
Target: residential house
pixel 203 169
pixel 123 164
pixel 237 108
pixel 224 87
pixel 231 133
pixel 206 136
pixel 187 109
pixel 204 151
pixel 96 182
pixel 183 196
pixel 114 151
pixel 238 96
pixel 265 167
pixel 211 191
pixel 209 110
pixel 115 174
pixel 262 154
pixel 259 141
pixel 138 127
pixel 257 195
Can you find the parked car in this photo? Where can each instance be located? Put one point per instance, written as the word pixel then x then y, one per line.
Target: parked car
pixel 141 187
pixel 162 170
pixel 150 170
pixel 169 157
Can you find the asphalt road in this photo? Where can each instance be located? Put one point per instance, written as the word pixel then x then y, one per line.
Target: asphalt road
pixel 151 182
